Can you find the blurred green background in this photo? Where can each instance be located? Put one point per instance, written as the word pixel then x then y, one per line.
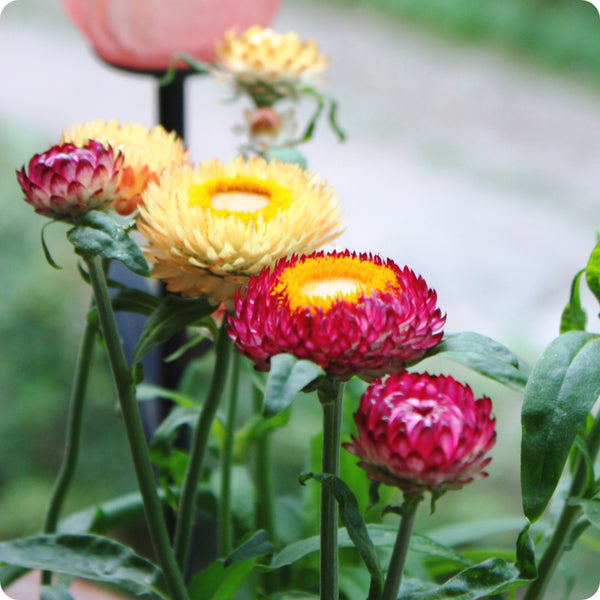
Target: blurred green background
pixel 42 309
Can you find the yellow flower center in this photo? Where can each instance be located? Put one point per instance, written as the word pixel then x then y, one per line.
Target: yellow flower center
pixel 241 197
pixel 321 281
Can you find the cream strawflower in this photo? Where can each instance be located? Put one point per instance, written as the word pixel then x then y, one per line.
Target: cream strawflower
pixel 269 65
pixel 148 153
pixel 212 227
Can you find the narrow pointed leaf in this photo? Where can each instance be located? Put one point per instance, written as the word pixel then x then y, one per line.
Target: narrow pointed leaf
pixel 170 316
pixel 134 301
pixel 47 253
pixel 255 546
pixel 573 317
pixel 485 356
pixel 218 582
pixel 591 509
pixel 561 391
pixel 592 272
pixel 355 524
pixel 287 377
pixel 88 557
pixel 55 592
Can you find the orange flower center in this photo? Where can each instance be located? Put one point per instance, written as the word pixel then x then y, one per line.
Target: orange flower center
pixel 321 281
pixel 241 197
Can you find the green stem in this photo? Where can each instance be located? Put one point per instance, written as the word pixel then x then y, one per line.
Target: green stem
pixel 225 524
pixel 567 519
pixel 263 474
pixel 185 513
pixel 331 400
pixel 135 432
pixel 71 452
pixel 396 568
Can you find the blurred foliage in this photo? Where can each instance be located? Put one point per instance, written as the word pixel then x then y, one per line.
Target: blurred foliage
pixel 562 34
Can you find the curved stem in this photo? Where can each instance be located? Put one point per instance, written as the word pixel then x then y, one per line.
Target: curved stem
pixel 396 568
pixel 568 516
pixel 331 401
pixel 185 516
pixel 135 433
pixel 71 452
pixel 225 524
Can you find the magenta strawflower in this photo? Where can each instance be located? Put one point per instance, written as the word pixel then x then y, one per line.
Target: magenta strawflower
pixel 351 314
pixel 421 432
pixel 68 181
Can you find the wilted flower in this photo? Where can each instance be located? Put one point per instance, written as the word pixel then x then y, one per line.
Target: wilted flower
pixel 68 181
pixel 350 314
pixel 148 154
pixel 421 432
pixel 266 128
pixel 269 65
pixel 210 228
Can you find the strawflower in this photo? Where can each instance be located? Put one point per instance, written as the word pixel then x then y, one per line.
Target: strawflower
pixel 67 181
pixel 421 432
pixel 148 154
pixel 210 228
pixel 265 128
pixel 349 313
pixel 269 65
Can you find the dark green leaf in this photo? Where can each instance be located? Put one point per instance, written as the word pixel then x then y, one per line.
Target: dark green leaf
pixel 592 272
pixel 170 316
pixel 99 234
pixel 287 377
pixel 591 509
pixel 526 555
pixel 218 582
pixel 46 250
pixel 88 557
pixel 255 546
pixel 573 317
pixel 134 301
pixel 255 430
pixel 491 577
pixel 484 355
pixel 357 530
pixel 562 389
pixel 167 430
pixel 55 592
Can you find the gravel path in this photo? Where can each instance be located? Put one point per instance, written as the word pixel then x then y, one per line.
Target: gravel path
pixel 477 171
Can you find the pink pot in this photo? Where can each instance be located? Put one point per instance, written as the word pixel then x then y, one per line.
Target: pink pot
pixel 144 34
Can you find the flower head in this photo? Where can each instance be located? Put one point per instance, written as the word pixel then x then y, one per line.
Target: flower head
pixel 212 227
pixel 269 65
pixel 68 181
pixel 148 154
pixel 350 314
pixel 265 128
pixel 421 433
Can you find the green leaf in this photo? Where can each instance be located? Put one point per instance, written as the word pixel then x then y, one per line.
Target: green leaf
pixel 526 555
pixel 149 391
pixel 100 234
pixel 573 317
pixel 561 391
pixel 88 557
pixel 165 434
pixel 485 356
pixel 357 530
pixel 170 316
pixel 592 272
pixel 491 577
pixel 591 509
pixel 255 546
pixel 287 377
pixel 134 301
pixel 255 430
pixel 218 582
pixel 55 592
pixel 46 250
pixel 287 155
